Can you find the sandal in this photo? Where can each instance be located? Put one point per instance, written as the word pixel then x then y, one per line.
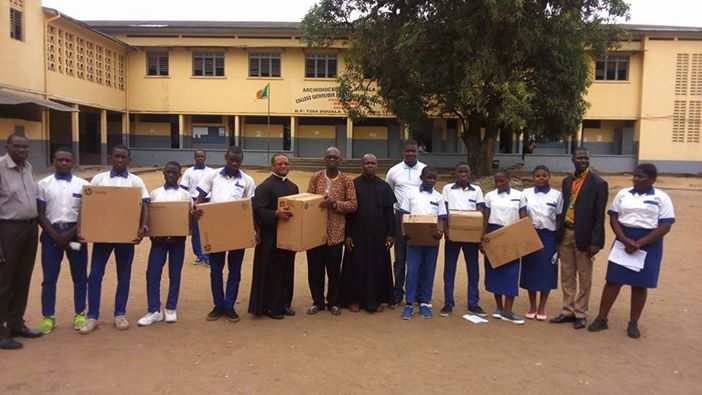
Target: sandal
pixel 335 310
pixel 314 309
pixel 380 309
pixel 541 316
pixel 530 314
pixel 355 308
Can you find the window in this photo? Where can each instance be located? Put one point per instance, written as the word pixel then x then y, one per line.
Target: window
pixel 320 66
pixel 264 65
pixel 208 64
pixel 157 63
pixel 612 68
pixel 16 24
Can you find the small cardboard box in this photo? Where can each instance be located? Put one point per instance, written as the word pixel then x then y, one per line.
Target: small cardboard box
pixel 465 226
pixel 511 242
pixel 110 214
pixel 226 226
pixel 420 229
pixel 169 218
pixel 307 228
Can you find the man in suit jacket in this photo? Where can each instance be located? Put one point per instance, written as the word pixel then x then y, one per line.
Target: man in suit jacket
pixel 580 236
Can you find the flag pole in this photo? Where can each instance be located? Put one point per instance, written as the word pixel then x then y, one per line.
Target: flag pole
pixel 268 140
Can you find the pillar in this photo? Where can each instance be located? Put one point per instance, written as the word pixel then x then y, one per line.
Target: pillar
pixel 237 131
pixel 45 139
pixel 293 134
pixel 75 134
pixel 181 131
pixel 349 137
pixel 125 129
pixel 103 137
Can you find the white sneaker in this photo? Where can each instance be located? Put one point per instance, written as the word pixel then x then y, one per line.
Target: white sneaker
pixel 150 318
pixel 90 325
pixel 121 322
pixel 171 316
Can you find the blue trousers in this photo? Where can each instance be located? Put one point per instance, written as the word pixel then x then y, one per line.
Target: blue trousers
pixel 124 255
pixel 195 239
pixel 175 251
pixel 220 297
pixel 51 257
pixel 421 266
pixel 470 255
pixel 398 266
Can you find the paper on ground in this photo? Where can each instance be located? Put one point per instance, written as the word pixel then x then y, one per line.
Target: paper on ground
pixel 474 319
pixel 633 261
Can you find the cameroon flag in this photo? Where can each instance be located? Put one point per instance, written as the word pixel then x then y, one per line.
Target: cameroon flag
pixel 263 93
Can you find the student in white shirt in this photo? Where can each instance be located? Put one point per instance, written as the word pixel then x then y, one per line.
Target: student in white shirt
pixel 190 180
pixel 227 183
pixel 503 206
pixel 402 178
pixel 640 217
pixel 463 196
pixel 58 204
pixel 118 176
pixel 543 206
pixel 172 247
pixel 421 260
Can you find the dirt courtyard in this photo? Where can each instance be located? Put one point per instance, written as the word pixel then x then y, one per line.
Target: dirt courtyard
pixel 374 353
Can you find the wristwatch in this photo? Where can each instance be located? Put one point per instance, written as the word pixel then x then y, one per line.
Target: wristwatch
pixel 334 205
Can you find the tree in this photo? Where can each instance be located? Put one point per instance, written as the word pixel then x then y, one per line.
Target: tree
pixel 491 64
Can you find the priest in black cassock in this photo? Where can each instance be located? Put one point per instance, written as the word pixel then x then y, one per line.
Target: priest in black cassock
pixel 273 268
pixel 366 276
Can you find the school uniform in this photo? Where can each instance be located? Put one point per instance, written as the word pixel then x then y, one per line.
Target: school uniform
pixel 542 204
pixel 171 247
pixel 60 195
pixel 189 181
pixel 124 252
pixel 469 198
pixel 222 188
pixel 421 260
pixel 638 216
pixel 503 209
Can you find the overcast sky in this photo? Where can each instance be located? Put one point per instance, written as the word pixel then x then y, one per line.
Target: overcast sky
pixel 652 12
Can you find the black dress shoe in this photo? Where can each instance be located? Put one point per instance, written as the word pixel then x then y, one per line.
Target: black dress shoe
pixel 7 343
pixel 288 311
pixel 274 315
pixel 579 323
pixel 562 318
pixel 25 331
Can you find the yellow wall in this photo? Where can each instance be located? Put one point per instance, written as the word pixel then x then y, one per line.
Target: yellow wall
pixel 604 134
pixel 32 129
pixel 316 131
pixel 370 132
pixel 617 99
pixel 21 60
pixel 254 130
pixel 153 128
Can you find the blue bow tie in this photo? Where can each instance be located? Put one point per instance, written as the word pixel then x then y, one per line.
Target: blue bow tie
pixel 544 189
pixel 65 177
pixel 199 167
pixel 174 186
pixel 123 174
pixel 423 189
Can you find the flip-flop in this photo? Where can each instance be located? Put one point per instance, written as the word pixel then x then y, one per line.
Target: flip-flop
pixel 530 315
pixel 355 308
pixel 541 317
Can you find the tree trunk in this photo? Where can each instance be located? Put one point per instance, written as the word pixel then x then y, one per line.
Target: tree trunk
pixel 480 150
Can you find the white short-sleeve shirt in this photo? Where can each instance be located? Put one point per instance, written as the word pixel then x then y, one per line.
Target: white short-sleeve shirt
pixel 191 179
pixel 542 206
pixel 403 179
pixel 61 195
pixel 223 188
pixel 164 194
pixel 644 211
pixel 503 207
pixel 124 179
pixel 424 202
pixel 464 199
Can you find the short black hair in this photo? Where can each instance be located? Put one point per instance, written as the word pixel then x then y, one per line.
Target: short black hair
pixel 541 167
pixel 426 170
pixel 409 142
pixel 16 135
pixel 172 163
pixel 580 149
pixel 63 149
pixel 278 155
pixel 503 172
pixel 459 164
pixel 234 150
pixel 649 169
pixel 199 150
pixel 121 146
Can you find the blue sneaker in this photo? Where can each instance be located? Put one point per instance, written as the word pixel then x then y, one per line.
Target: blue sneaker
pixel 424 311
pixel 407 312
pixel 497 314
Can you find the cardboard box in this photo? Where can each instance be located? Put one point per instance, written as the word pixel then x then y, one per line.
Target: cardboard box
pixel 110 214
pixel 307 228
pixel 465 226
pixel 420 229
pixel 511 242
pixel 226 226
pixel 169 218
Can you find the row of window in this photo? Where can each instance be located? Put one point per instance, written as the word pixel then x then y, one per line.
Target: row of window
pixel 211 64
pixel 612 68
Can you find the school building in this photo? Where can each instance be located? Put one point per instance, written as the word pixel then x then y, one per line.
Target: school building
pixel 165 88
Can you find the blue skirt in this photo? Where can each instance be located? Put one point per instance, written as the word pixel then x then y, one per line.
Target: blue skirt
pixel 538 273
pixel 648 276
pixel 505 279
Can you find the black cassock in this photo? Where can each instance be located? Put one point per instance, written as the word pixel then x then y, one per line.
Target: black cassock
pixel 273 268
pixel 366 276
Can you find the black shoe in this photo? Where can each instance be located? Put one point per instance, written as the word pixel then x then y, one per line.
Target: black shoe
pixel 7 343
pixel 633 330
pixel 26 332
pixel 274 315
pixel 579 323
pixel 477 310
pixel 288 311
pixel 562 318
pixel 232 316
pixel 215 314
pixel 446 311
pixel 599 324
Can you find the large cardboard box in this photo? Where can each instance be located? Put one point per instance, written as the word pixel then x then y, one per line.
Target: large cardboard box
pixel 465 226
pixel 511 242
pixel 307 228
pixel 420 229
pixel 110 214
pixel 226 226
pixel 169 218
